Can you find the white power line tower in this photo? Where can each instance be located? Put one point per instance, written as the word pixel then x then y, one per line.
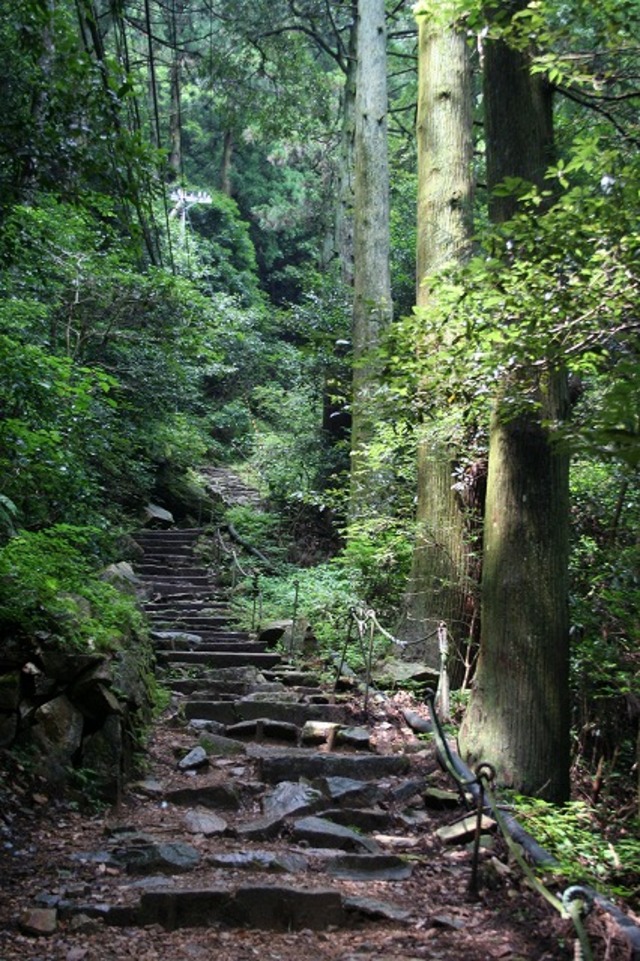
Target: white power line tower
pixel 184 200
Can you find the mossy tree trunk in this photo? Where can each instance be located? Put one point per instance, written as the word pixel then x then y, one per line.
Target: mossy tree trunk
pixel 372 283
pixel 518 718
pixel 438 586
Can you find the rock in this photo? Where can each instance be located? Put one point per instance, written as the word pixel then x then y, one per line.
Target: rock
pixel 291 711
pixel 269 907
pixel 208 796
pixel 67 667
pixel 202 822
pixel 348 790
pixel 275 766
pixel 194 760
pixel 464 830
pixel 39 921
pixel 8 728
pixel 376 910
pixel 121 574
pixel 402 671
pixel 407 789
pixel 314 732
pixel 58 729
pixel 274 632
pixel 370 867
pixel 102 753
pixel 185 640
pixel 95 699
pixel 261 829
pixel 364 819
pixel 149 786
pixel 260 861
pixel 216 744
pixel 149 857
pixel 289 797
pixel 156 513
pixel 264 727
pixel 438 799
pixel 128 678
pixel 199 725
pixel 9 691
pixel 326 834
pixel 287 909
pixel 354 736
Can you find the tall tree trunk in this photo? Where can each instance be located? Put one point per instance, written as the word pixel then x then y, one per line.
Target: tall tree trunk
pixel 343 231
pixel 518 718
pixel 372 283
pixel 225 166
pixel 175 120
pixel 438 585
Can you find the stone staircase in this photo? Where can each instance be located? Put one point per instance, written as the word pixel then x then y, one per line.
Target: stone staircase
pixel 268 776
pixel 274 819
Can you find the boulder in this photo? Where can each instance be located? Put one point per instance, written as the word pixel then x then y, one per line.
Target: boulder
pixel 403 671
pixel 58 729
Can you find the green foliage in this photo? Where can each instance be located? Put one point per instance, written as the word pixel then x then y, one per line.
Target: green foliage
pixel 571 833
pixel 377 556
pixel 217 252
pixel 325 595
pixel 553 288
pixel 605 599
pixel 50 589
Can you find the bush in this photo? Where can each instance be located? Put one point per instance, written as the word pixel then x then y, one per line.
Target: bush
pixel 50 588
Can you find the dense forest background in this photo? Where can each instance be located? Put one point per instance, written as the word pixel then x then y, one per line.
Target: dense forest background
pixel 183 192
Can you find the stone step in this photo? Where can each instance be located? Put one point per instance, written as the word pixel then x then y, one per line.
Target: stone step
pixel 179 533
pixel 221 633
pixel 220 659
pixel 172 553
pixel 193 623
pixel 246 710
pixel 179 608
pixel 171 589
pixel 149 569
pixel 208 690
pixel 177 640
pixel 175 578
pixel 263 906
pixel 206 647
pixel 277 765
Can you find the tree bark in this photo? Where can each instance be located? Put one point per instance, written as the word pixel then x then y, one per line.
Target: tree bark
pixel 343 230
pixel 438 585
pixel 372 283
pixel 518 718
pixel 175 120
pixel 225 166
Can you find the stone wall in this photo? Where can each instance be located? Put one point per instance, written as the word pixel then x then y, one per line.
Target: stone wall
pixel 79 715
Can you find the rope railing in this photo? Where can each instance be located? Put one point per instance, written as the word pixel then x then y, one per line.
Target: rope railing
pixel 576 901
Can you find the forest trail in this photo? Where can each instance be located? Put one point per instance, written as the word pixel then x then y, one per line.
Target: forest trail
pixel 275 819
